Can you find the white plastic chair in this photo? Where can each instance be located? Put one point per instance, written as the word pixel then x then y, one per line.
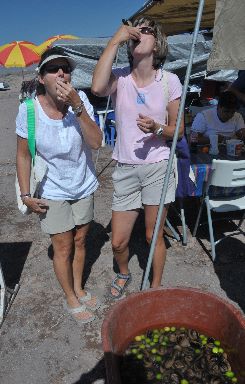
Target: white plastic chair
pixel 226 174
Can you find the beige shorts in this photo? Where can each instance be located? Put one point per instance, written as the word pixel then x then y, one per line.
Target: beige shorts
pixel 137 185
pixel 64 215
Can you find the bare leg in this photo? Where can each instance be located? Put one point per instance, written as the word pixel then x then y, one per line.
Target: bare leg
pixel 79 257
pixel 78 262
pixel 63 245
pixel 122 226
pixel 160 249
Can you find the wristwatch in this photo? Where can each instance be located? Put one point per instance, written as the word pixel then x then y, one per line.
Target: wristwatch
pixel 159 131
pixel 78 110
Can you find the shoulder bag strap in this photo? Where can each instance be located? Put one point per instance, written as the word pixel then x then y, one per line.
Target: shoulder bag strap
pixel 31 127
pixel 165 92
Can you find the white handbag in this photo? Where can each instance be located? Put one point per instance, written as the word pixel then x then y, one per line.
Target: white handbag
pixel 38 165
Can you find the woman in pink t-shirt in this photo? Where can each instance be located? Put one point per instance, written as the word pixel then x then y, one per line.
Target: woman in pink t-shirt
pixel 146 102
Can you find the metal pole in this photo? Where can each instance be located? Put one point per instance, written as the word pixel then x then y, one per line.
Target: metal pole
pixel 175 138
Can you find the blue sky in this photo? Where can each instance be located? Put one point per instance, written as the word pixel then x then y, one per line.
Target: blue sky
pixel 35 20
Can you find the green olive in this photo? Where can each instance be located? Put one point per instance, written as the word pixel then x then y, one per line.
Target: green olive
pixel 197 351
pixel 158 359
pixel 215 350
pixel 234 380
pixel 229 374
pixel 153 350
pixel 134 351
pixel 184 381
pixel 221 350
pixel 202 337
pixel 159 376
pixel 172 329
pixel 217 343
pixel 140 356
pixel 166 329
pixel 137 338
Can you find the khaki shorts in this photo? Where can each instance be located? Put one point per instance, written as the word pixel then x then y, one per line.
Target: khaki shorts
pixel 137 185
pixel 64 215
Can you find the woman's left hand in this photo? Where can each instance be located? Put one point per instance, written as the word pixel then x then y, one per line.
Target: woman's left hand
pixel 146 124
pixel 67 94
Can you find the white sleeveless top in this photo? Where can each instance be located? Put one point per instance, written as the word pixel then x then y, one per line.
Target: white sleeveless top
pixel 71 173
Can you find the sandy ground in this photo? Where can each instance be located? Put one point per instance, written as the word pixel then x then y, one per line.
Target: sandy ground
pixel 40 343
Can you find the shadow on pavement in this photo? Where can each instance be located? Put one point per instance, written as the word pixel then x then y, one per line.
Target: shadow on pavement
pixel 96 239
pixel 97 373
pixel 12 259
pixel 230 269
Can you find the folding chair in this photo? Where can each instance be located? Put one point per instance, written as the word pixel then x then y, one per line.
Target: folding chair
pixel 225 174
pixel 110 129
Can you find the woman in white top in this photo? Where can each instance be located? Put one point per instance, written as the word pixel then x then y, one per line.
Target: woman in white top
pixel 65 133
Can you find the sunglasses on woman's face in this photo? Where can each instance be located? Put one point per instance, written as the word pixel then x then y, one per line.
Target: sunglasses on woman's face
pixel 147 31
pixel 55 68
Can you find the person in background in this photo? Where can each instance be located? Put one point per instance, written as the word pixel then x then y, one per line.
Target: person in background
pixel 65 134
pixel 238 89
pixel 222 120
pixel 141 151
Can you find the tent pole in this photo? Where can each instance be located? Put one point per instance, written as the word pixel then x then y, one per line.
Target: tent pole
pixel 175 138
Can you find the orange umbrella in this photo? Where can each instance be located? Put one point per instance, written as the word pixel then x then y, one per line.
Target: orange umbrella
pixel 47 43
pixel 18 54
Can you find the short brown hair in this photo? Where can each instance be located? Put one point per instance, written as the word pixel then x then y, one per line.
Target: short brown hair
pixel 161 41
pixel 228 100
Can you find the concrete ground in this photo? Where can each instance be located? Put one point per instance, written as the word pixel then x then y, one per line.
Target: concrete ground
pixel 40 343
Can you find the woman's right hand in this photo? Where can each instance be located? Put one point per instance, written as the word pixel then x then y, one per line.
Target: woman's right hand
pixel 125 33
pixel 35 205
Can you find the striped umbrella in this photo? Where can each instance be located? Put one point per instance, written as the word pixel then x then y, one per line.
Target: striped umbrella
pixel 47 43
pixel 18 54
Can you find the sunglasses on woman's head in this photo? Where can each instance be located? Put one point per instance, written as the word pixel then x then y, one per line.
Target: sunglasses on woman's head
pixel 147 31
pixel 55 68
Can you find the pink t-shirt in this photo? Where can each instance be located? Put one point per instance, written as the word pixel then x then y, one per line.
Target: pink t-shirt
pixel 132 145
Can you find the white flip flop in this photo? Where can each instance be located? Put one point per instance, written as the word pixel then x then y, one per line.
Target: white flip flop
pixel 88 297
pixel 79 309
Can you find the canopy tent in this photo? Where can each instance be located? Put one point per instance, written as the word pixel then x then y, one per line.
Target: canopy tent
pixel 226 16
pixel 86 51
pixel 178 16
pixel 228 51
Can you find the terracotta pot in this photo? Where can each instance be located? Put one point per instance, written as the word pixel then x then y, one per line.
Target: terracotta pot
pixel 187 307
